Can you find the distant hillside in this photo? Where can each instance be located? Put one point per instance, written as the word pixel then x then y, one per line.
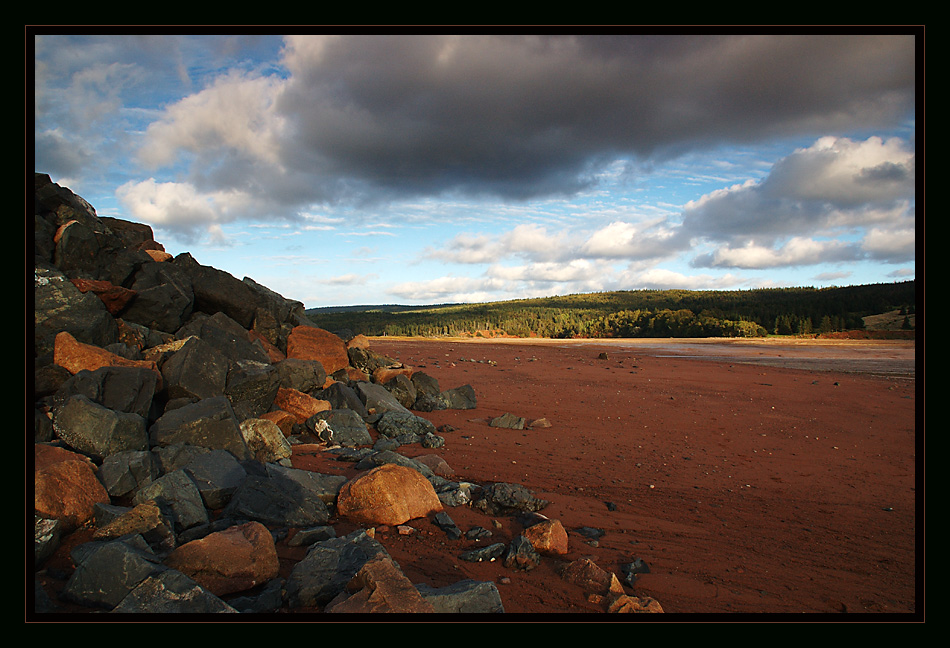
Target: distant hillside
pixel 638 313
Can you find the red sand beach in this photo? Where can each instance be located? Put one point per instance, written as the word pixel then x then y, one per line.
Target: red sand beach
pixel 760 477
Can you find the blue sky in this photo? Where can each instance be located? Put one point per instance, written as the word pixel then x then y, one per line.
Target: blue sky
pixel 423 168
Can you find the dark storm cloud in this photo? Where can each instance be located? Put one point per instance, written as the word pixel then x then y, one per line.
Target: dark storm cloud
pixel 522 116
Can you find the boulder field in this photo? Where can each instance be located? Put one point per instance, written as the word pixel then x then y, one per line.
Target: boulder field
pixel 168 397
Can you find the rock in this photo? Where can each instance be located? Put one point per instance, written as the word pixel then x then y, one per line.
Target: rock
pixel 217 291
pixel 521 555
pixel 509 421
pixel 269 599
pixel 170 592
pixel 46 538
pixel 341 396
pixel 76 356
pixel 124 473
pixel 303 375
pixel 146 520
pixel 328 567
pixel 265 441
pixel 217 476
pixel 389 494
pixel 115 298
pixel 395 424
pixel 164 297
pixel 547 537
pixel 506 499
pixel 463 597
pixel 436 464
pixel 402 390
pixel 65 486
pixel 234 560
pixel 209 423
pixel 252 388
pixel 489 553
pixel 307 537
pixel 106 572
pixel 378 400
pixel 447 524
pixel 380 587
pixel 178 497
pixel 118 388
pixel 459 398
pixel 283 497
pixel 301 405
pixel 59 307
pixel 196 370
pixel 98 431
pixel 310 343
pixel 345 427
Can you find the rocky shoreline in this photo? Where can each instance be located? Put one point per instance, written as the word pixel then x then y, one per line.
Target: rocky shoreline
pixel 169 400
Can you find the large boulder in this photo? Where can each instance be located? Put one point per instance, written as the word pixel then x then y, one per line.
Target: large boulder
pixel 196 370
pixel 65 486
pixel 208 423
pixel 380 587
pixel 328 567
pixel 311 343
pixel 389 494
pixel 233 560
pixel 98 431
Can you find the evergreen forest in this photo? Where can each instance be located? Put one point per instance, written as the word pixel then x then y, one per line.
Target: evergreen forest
pixel 636 313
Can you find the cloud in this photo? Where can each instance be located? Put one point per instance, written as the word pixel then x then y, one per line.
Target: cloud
pixel 359 118
pixel 835 187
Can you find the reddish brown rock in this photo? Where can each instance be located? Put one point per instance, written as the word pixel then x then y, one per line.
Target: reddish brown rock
pixel 358 342
pixel 548 537
pixel 300 405
pixel 273 353
pixel 234 560
pixel 592 578
pixel 380 587
pixel 65 486
pixel 158 255
pixel 630 604
pixel 284 420
pixel 116 298
pixel 389 494
pixel 437 464
pixel 74 356
pixel 311 343
pixel 384 374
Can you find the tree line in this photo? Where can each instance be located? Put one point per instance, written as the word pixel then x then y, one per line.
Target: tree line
pixel 639 313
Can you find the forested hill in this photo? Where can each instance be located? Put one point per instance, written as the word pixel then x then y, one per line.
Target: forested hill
pixel 638 313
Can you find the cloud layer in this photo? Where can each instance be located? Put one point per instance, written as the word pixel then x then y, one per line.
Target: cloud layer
pixel 329 132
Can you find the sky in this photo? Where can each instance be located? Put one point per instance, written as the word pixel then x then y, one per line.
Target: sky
pixel 422 168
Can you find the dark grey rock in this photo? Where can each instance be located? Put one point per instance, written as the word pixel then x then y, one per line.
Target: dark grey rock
pixel 522 555
pixel 197 370
pixel 121 389
pixel 46 538
pixel 218 475
pixel 377 398
pixel 402 389
pixel 395 424
pixel 251 387
pixel 124 473
pixel 508 420
pixel 269 599
pixel 106 572
pixel 178 498
pixel 208 423
pixel 464 597
pixel 168 592
pixel 447 524
pixel 342 396
pixel 459 398
pixel 346 428
pixel 507 499
pixel 303 375
pixel 482 554
pixel 59 306
pixel 328 567
pixel 280 499
pixel 307 537
pixel 164 297
pixel 98 431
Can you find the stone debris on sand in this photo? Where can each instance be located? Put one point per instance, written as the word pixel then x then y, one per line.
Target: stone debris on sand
pixel 169 400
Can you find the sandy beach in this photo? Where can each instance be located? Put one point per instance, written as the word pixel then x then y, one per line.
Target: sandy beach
pixel 751 477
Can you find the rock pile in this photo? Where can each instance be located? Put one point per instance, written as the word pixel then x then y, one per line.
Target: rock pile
pixel 167 399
